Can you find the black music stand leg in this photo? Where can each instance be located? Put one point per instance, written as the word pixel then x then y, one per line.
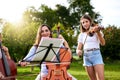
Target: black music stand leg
pixel 49 47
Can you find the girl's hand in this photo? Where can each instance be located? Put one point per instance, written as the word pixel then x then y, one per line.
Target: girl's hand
pixel 1 76
pixel 79 52
pixel 5 49
pixel 23 63
pixel 61 37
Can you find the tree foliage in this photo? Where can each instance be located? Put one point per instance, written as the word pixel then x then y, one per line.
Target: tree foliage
pixel 80 7
pixel 111 49
pixel 19 38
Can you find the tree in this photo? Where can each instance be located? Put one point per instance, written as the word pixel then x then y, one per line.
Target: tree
pixel 111 49
pixel 44 14
pixel 64 15
pixel 19 38
pixel 79 7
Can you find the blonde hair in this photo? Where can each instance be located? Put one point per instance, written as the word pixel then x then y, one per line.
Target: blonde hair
pixel 86 16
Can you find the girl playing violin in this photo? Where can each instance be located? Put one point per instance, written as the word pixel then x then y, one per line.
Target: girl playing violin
pixel 89 39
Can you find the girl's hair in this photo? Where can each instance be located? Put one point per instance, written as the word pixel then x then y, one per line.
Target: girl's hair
pixel 38 36
pixel 86 16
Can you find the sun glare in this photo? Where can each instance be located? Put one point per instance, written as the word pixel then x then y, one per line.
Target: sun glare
pixel 11 11
pixel 14 18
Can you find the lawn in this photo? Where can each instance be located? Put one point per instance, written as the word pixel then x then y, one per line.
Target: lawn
pixel 112 71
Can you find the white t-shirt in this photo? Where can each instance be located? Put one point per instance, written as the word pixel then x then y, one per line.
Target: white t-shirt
pixel 90 42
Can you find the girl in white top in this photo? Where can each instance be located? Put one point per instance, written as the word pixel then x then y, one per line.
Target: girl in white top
pixel 89 40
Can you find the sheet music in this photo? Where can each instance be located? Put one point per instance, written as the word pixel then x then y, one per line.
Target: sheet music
pixel 45 42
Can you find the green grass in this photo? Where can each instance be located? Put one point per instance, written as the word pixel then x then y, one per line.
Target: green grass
pixel 112 71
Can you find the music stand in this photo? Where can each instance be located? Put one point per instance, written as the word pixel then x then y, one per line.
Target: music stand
pixel 48 48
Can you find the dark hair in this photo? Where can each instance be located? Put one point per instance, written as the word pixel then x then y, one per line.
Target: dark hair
pixel 85 17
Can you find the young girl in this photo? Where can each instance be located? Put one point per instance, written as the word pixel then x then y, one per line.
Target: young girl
pixel 43 31
pixel 89 40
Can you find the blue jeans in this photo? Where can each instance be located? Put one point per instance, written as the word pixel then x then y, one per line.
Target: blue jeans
pixel 92 58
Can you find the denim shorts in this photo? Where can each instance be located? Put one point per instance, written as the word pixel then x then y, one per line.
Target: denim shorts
pixel 92 58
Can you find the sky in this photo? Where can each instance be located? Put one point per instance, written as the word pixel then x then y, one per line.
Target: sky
pixel 109 10
pixel 12 10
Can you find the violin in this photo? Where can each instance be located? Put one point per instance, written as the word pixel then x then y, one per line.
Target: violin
pixel 7 67
pixel 91 31
pixel 58 71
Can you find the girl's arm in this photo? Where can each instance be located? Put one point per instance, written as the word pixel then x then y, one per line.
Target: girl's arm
pixel 79 49
pixel 99 34
pixel 100 37
pixel 28 57
pixel 65 43
pixel 5 49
